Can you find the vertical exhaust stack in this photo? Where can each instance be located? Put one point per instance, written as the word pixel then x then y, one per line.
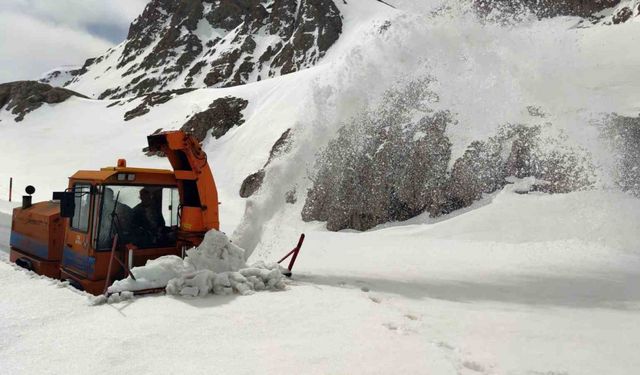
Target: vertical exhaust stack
pixel 27 199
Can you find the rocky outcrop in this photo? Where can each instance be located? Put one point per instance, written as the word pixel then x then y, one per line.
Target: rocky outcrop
pixel 253 182
pixel 624 133
pixel 222 115
pixel 219 43
pixel 546 8
pixel 394 162
pixel 484 168
pixel 384 165
pixel 151 100
pixel 401 174
pixel 23 97
pixel 622 15
pixel 394 174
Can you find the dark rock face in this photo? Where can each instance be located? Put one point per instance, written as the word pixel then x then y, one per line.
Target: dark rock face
pixel 219 43
pixel 483 168
pixel 401 177
pixel 291 197
pixel 23 97
pixel 152 100
pixel 281 147
pixel 384 165
pixel 253 182
pixel 222 115
pixel 623 15
pixel 624 132
pixel 393 163
pixel 396 174
pixel 547 8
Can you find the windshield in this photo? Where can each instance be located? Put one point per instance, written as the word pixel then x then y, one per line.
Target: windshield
pixel 145 216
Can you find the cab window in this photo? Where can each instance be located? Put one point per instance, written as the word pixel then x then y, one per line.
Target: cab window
pixel 80 220
pixel 142 215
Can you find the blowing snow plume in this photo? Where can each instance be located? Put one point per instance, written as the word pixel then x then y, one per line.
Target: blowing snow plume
pixel 505 99
pixel 392 163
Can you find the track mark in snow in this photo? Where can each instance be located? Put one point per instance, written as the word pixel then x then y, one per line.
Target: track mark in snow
pixel 411 317
pixel 474 366
pixel 390 326
pixel 375 299
pixel 442 344
pixel 464 367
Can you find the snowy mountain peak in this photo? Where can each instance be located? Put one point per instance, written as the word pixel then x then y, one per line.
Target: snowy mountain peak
pixel 213 43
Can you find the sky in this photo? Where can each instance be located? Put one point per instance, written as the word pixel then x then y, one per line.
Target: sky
pixel 37 36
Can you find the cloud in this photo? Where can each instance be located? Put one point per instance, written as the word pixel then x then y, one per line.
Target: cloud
pixel 39 35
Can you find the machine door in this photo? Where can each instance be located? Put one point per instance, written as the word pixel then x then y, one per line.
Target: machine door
pixel 145 216
pixel 75 255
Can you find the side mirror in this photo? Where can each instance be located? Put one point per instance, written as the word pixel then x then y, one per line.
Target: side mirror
pixel 67 203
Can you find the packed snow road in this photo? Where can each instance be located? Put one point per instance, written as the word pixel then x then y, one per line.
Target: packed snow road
pixel 531 284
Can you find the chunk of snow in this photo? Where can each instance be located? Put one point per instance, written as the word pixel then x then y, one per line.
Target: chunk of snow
pixel 216 266
pixel 216 253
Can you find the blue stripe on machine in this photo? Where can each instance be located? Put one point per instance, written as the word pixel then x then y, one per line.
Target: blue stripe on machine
pixel 29 245
pixel 82 263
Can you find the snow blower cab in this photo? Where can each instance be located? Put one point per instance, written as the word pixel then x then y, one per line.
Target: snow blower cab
pixel 112 219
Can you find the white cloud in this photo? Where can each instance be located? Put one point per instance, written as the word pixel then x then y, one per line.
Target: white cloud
pixel 38 35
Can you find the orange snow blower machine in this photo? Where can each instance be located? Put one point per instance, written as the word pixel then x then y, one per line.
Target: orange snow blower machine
pixel 108 221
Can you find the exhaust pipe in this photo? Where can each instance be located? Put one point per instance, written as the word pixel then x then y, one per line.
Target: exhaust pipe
pixel 26 199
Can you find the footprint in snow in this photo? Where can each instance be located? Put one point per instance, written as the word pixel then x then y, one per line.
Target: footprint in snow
pixel 411 317
pixel 473 366
pixel 375 299
pixel 391 326
pixel 444 345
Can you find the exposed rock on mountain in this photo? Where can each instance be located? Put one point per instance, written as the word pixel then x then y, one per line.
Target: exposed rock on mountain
pixel 624 132
pixel 484 168
pixel 547 8
pixel 393 164
pixel 398 177
pixel 23 97
pixel 222 115
pixel 253 182
pixel 384 166
pixel 219 43
pixel 622 15
pixel 152 100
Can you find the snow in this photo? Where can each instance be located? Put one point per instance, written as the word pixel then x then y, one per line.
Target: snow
pixel 444 298
pixel 215 266
pixel 515 284
pixel 59 76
